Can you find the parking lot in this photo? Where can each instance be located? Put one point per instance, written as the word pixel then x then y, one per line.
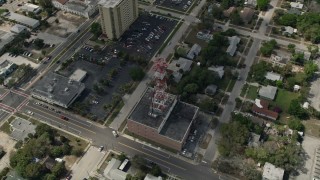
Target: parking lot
pixel 146 35
pixel 98 67
pixel 180 5
pixel 197 133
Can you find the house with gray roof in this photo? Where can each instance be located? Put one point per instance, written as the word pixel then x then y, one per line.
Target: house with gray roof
pixel 288 30
pixel 57 89
pixel 18 28
pixel 20 128
pixel 211 89
pixel 217 69
pixel 112 172
pixel 178 67
pixel 21 19
pixel 194 51
pixel 268 92
pixel 273 76
pixel 233 42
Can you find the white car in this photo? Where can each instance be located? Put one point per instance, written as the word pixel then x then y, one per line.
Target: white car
pixel 29 112
pixel 115 134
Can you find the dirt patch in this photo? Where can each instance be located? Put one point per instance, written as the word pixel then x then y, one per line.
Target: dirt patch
pixel 70 160
pixel 63 24
pixel 312 127
pixel 8 146
pixel 205 142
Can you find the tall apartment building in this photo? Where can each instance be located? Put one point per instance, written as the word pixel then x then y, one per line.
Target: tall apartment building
pixel 117 16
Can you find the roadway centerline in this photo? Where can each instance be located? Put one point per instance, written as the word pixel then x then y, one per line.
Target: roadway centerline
pixel 151 156
pixel 61 120
pixel 167 155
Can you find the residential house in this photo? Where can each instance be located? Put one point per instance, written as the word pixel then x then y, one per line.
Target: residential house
pixel 194 51
pixel 296 5
pixel 152 177
pixel 204 35
pixel 229 11
pixel 251 3
pixel 178 67
pixel 277 60
pixel 18 28
pixel 233 42
pixel 261 108
pixel 246 14
pixel 271 172
pixel 211 89
pixel 288 30
pixel 268 92
pixel 273 76
pixel 217 69
pixel 112 172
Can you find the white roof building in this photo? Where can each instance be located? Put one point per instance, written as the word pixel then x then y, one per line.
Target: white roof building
pixel 79 7
pixel 233 42
pixel 31 8
pixel 78 75
pixel 273 76
pixel 289 30
pixel 151 177
pixel 18 28
pixel 296 5
pixel 271 172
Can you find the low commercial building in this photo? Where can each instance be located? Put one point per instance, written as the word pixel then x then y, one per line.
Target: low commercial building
pixel 6 68
pixel 178 67
pixel 169 128
pixel 18 28
pixel 233 42
pixel 271 172
pixel 268 92
pixel 194 51
pixel 273 76
pixel 21 128
pixel 31 8
pixel 57 89
pixel 21 19
pixel 6 38
pixel 82 8
pixel 261 108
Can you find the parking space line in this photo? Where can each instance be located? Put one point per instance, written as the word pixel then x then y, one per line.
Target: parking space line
pixel 143 147
pixel 61 120
pixel 151 156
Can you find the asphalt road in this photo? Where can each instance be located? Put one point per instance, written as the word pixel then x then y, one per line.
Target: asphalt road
pixel 102 136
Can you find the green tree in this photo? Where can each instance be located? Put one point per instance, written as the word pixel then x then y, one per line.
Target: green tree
pixel 33 171
pixel 59 169
pixel 208 105
pixel 295 109
pixel 156 170
pixel 291 48
pixel 136 73
pixel 235 18
pixel 138 162
pixel 296 124
pixel 56 151
pixel 268 47
pixel 122 157
pixel 288 20
pixel 191 88
pixel 96 29
pixel 263 4
pixel 45 3
pixel 39 43
pixel 310 68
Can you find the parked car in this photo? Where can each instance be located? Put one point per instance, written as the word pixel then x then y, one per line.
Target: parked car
pixel 64 118
pixel 115 134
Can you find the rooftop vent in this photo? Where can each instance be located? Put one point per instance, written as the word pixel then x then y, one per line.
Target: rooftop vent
pixel 66 89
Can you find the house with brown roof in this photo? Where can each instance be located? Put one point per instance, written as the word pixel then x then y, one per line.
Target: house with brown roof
pixel 261 108
pixel 229 11
pixel 246 14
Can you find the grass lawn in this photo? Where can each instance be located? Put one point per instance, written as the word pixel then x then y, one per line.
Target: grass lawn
pixel 6 126
pixel 74 141
pixel 192 38
pixel 244 90
pixel 284 98
pixel 252 92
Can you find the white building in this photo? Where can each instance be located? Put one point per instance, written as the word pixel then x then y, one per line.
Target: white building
pixel 21 19
pixel 31 8
pixel 84 8
pixel 271 172
pixel 296 5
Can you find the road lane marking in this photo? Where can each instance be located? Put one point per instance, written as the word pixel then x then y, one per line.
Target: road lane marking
pixel 167 156
pixel 151 156
pixel 159 164
pixel 61 120
pixel 79 132
pixel 50 121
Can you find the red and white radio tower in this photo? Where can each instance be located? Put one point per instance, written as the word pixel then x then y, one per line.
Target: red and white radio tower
pixel 160 96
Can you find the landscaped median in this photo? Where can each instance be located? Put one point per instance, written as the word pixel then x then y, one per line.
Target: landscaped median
pixel 170 36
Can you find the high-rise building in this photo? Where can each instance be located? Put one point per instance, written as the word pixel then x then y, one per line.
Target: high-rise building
pixel 117 16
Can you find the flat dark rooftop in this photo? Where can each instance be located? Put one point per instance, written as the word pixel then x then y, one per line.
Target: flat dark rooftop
pixel 179 121
pixel 140 112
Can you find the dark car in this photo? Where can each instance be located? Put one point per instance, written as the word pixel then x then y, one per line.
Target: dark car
pixel 64 118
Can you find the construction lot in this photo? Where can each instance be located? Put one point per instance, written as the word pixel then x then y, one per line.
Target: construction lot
pixel 63 24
